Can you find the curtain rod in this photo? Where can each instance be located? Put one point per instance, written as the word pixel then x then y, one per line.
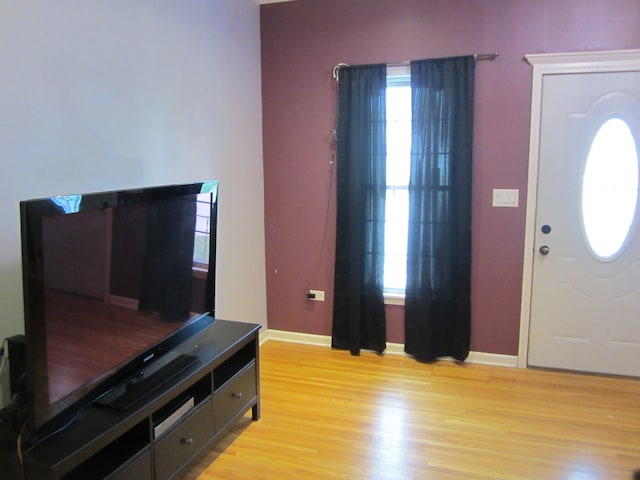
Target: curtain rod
pixel 476 56
pixel 486 56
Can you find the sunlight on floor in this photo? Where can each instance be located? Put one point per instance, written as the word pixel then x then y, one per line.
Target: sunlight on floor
pixel 391 438
pixel 584 469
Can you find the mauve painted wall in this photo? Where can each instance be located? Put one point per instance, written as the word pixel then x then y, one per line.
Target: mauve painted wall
pixel 302 41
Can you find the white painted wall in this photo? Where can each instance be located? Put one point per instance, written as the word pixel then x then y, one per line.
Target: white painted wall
pixel 104 94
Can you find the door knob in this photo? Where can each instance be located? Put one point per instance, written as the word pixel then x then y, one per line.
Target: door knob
pixel 544 250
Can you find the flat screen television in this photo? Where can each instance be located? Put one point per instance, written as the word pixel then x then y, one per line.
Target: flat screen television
pixel 112 281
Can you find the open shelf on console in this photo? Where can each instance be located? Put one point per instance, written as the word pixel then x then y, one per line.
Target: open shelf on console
pixel 191 398
pixel 120 451
pixel 232 365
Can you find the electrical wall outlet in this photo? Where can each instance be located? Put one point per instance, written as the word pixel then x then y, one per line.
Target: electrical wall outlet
pixel 318 295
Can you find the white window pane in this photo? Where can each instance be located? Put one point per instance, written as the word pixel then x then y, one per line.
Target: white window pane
pixel 610 188
pixel 203 228
pixel 202 224
pixel 398 135
pixel 396 218
pixel 398 168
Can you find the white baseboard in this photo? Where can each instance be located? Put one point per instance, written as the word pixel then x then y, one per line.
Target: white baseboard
pixel 483 358
pixel 126 302
pixel 296 337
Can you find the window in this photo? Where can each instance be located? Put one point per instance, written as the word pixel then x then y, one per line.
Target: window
pixel 398 167
pixel 202 232
pixel 610 189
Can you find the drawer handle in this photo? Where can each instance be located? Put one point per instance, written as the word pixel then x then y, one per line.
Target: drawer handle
pixel 237 395
pixel 186 441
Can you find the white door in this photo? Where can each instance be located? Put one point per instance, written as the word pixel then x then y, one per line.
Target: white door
pixel 585 284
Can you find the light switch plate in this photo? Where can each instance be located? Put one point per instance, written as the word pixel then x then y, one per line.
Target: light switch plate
pixel 503 197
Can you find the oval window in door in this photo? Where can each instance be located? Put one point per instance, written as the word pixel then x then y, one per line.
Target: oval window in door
pixel 610 189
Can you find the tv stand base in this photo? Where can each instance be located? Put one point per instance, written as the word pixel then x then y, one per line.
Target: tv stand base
pixel 164 434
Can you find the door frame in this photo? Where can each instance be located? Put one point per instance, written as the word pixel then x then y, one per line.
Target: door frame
pixel 554 64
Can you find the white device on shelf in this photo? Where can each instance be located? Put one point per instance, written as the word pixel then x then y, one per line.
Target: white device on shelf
pixel 179 412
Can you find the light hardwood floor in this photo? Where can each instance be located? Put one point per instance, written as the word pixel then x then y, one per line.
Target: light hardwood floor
pixel 328 415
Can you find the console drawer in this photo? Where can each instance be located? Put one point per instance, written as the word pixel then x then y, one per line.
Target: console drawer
pixel 235 396
pixel 176 448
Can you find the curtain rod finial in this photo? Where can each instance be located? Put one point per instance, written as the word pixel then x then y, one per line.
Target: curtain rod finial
pixel 336 70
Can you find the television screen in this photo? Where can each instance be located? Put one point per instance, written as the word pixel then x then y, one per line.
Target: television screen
pixel 111 281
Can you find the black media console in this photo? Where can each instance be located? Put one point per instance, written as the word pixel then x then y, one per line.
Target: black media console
pixel 162 435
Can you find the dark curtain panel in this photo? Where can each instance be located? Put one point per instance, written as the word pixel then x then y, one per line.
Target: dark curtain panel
pixel 437 301
pixel 358 311
pixel 167 277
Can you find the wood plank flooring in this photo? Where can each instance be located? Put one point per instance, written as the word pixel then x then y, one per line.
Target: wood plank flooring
pixel 329 415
